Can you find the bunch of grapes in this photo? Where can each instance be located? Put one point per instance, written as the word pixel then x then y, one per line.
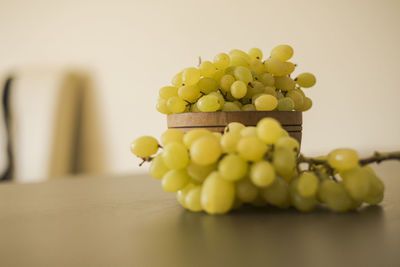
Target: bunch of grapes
pixel 260 165
pixel 239 81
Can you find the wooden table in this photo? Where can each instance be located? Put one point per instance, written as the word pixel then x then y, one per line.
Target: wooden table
pixel 129 221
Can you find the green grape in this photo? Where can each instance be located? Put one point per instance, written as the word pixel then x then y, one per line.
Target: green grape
pixel 299 91
pixel 285 83
pixel 222 61
pixel 192 199
pixel 255 75
pixel 285 104
pixel 267 79
pixel 266 102
pixel 246 191
pixel 176 104
pixel 251 148
pixel 269 130
pixel 356 182
pixel 162 106
pixel 232 168
pixel 193 135
pixel 307 184
pixel 237 103
pixel 208 103
pixel 194 108
pixel 207 85
pixel 144 147
pixel 234 127
pixel 182 193
pixel 200 172
pixel 282 52
pixel 226 82
pixel 255 53
pixel 189 93
pixel 288 142
pixel 229 141
pixel 257 66
pixel 297 98
pixel 238 89
pixel 270 91
pixel 307 104
pixel 157 167
pixel 249 131
pixel 290 66
pixel 275 67
pixel 217 194
pixel 277 193
pixel 175 156
pixel 248 107
pixel 229 106
pixel 167 92
pixel 190 76
pixel 243 74
pixel 205 150
pixel 207 69
pixel 262 173
pixel 301 203
pixel 343 159
pixel 259 201
pixel 376 188
pixel 255 89
pixel 217 135
pixel 218 75
pixel 238 52
pixel 284 134
pixel 335 196
pixel 306 80
pixel 177 80
pixel 220 97
pixel 171 135
pixel 237 60
pixel 175 180
pixel 230 70
pixel 284 161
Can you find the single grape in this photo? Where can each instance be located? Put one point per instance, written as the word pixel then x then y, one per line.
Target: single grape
pixel 243 74
pixel 277 193
pixel 218 75
pixel 376 188
pixel 343 159
pixel 285 104
pixel 190 76
pixel 248 107
pixel 220 97
pixel 207 85
pixel 171 135
pixel 246 191
pixel 275 67
pixel 237 103
pixel 307 184
pixel 307 104
pixel 232 168
pixel 290 67
pixel 175 180
pixel 282 52
pixel 238 89
pixel 167 92
pixel 284 161
pixel 267 79
pixel 217 194
pixel 270 91
pixel 234 127
pixel 255 53
pixel 222 61
pixel 144 147
pixel 306 80
pixel 189 93
pixel 237 60
pixel 249 131
pixel 208 103
pixel 200 172
pixel 193 135
pixel 182 193
pixel 288 142
pixel 157 167
pixel 177 80
pixel 175 156
pixel 251 148
pixel 269 130
pixel 176 104
pixel 238 52
pixel 230 70
pixel 162 106
pixel 205 150
pixel 192 199
pixel 254 89
pixel 335 196
pixel 285 83
pixel 299 91
pixel 230 106
pixel 226 82
pixel 229 141
pixel 262 173
pixel 356 182
pixel 257 66
pixel 207 69
pixel 301 203
pixel 266 103
pixel 194 108
pixel 297 98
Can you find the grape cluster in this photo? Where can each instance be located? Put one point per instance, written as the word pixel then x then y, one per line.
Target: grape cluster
pixel 260 165
pixel 239 81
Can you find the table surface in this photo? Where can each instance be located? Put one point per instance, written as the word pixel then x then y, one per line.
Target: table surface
pixel 129 221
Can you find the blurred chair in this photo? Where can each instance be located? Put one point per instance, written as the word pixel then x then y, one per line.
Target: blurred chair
pixel 51 126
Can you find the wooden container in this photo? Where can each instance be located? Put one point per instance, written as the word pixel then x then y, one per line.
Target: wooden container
pixel 216 121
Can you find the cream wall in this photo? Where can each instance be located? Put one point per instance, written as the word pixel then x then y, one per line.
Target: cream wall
pixel 135 47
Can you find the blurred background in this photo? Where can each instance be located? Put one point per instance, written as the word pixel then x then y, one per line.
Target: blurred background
pixel 115 55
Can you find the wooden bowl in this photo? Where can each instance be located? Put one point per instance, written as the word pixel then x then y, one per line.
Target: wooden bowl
pixel 216 121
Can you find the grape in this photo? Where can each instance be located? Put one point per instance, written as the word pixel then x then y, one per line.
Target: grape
pixel 257 66
pixel 249 131
pixel 246 191
pixel 208 103
pixel 177 80
pixel 299 91
pixel 343 159
pixel 307 184
pixel 157 167
pixel 226 82
pixel 290 67
pixel 249 107
pixel 230 70
pixel 288 142
pixel 220 97
pixel 237 60
pixel 255 53
pixel 144 147
pixel 255 75
pixel 251 148
pixel 335 196
pixel 269 91
pixel 275 67
pixel 182 193
pixel 205 150
pixel 307 104
pixel 282 52
pixel 217 195
pixel 255 88
pixel 192 199
pixel 176 104
pixel 237 103
pixel 222 61
pixel 189 93
pixel 207 85
pixel 232 168
pixel 306 80
pixel 190 76
pixel 194 108
pixel 200 172
pixel 356 183
pixel 175 156
pixel 285 83
pixel 297 98
pixel 259 201
pixel 277 193
pixel 285 104
pixel 234 127
pixel 167 92
pixel 172 135
pixel 229 141
pixel 193 135
pixel 162 106
pixel 301 203
pixel 262 173
pixel 284 162
pixel 229 106
pixel 269 130
pixel 267 79
pixel 243 74
pixel 238 89
pixel 207 69
pixel 218 136
pixel 238 52
pixel 266 102
pixel 218 75
pixel 174 180
pixel 376 188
